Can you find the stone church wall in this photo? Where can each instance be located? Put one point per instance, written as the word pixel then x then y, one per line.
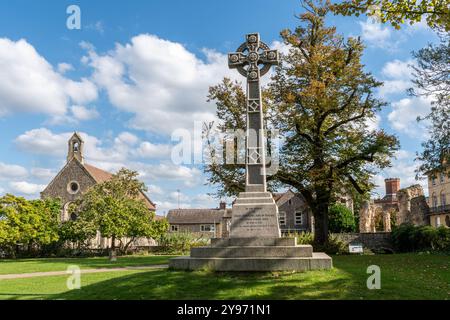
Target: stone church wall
pixel 60 186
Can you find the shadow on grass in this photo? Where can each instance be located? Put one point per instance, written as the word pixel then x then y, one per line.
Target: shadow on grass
pixel 166 284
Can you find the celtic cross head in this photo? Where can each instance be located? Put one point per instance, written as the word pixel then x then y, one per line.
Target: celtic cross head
pixel 253 58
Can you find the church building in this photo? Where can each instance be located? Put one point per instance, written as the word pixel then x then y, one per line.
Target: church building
pixel 76 177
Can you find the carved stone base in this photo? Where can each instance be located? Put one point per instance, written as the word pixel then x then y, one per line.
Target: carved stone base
pixel 255 214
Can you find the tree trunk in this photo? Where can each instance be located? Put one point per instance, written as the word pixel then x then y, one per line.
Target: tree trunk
pixel 112 251
pixel 127 245
pixel 320 212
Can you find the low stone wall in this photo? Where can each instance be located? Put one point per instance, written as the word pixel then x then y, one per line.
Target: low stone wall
pixel 373 240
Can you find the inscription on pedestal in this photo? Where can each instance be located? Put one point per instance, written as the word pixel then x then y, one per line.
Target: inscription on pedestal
pixel 253 219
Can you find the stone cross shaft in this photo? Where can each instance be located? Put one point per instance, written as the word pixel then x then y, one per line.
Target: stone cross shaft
pixel 253 59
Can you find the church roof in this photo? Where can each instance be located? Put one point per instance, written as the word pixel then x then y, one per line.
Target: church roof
pixel 100 176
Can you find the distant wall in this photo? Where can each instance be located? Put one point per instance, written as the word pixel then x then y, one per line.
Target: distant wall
pixel 373 240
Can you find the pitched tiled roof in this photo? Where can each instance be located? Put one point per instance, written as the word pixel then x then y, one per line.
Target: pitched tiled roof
pixel 277 196
pixel 100 176
pixel 195 216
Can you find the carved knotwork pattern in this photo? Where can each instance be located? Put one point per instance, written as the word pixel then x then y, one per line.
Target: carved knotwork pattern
pixel 253 105
pixel 253 58
pixel 254 155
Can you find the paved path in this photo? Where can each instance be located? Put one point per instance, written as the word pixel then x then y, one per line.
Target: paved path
pixel 62 273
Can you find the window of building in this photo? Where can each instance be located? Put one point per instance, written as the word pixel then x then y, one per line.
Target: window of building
pixel 443 199
pixel 282 218
pixel 174 228
pixel 298 217
pixel 207 228
pixel 438 221
pixel 442 177
pixel 290 202
pixel 447 221
pixel 433 181
pixel 434 201
pixel 73 187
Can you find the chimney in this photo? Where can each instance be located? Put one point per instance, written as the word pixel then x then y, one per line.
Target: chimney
pixel 222 205
pixel 392 186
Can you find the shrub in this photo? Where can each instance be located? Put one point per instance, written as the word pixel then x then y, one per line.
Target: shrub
pixel 409 238
pixel 341 219
pixel 180 243
pixel 303 237
pixel 333 246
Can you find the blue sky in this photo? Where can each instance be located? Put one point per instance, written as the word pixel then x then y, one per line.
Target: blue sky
pixel 139 70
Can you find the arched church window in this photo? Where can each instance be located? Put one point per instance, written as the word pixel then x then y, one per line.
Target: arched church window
pixel 76 146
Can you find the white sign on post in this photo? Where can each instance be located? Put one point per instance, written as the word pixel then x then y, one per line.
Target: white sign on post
pixel 355 248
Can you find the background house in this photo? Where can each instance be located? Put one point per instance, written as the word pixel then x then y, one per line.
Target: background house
pixel 209 223
pixel 439 197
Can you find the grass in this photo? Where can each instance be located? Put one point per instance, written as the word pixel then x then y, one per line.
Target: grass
pixel 10 266
pixel 403 276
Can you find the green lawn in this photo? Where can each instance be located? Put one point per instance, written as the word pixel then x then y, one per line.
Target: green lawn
pixel 403 276
pixel 61 264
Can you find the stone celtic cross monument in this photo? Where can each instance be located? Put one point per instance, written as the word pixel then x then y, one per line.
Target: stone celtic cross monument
pixel 255 242
pixel 254 212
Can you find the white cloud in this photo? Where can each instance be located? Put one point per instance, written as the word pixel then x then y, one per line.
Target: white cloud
pixel 149 150
pixel 43 173
pixel 403 118
pixel 11 171
pixel 376 34
pixel 189 176
pixel 154 190
pixel 398 69
pixel 29 83
pixel 43 141
pixel 83 114
pixel 64 67
pixel 162 83
pixel 397 77
pixel 26 188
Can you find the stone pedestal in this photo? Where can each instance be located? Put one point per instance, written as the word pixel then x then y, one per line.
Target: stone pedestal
pixel 253 254
pixel 255 214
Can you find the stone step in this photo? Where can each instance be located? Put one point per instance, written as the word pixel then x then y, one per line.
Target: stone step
pixel 319 261
pixel 255 195
pixel 256 201
pixel 253 242
pixel 252 252
pixel 254 188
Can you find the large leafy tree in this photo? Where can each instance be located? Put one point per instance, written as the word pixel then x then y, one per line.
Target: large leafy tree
pixel 116 209
pixel 320 99
pixel 28 223
pixel 432 79
pixel 435 12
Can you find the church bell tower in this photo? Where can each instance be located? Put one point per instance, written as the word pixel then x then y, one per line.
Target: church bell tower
pixel 76 145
